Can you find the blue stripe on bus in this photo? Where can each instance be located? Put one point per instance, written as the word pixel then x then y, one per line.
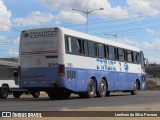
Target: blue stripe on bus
pixel 77 79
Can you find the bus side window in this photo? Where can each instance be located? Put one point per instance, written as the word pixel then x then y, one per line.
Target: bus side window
pixel 121 54
pixel 74 45
pixel 130 56
pixel 101 50
pixel 111 52
pixel 91 48
pixel 96 51
pixel 79 46
pixel 106 51
pixel 136 57
pixel 116 53
pixel 85 47
pixel 68 44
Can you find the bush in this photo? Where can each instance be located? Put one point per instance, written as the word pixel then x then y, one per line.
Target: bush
pixel 152 85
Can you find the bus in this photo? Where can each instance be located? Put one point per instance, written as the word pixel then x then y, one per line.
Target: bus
pixel 60 61
pixel 9 83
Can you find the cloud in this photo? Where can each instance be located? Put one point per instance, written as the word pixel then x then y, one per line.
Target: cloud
pixel 13 53
pixel 2 38
pixel 16 41
pixel 34 18
pixel 5 16
pixel 71 16
pixel 149 30
pixel 68 5
pixel 151 49
pixel 147 7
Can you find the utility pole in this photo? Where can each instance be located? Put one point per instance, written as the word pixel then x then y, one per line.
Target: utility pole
pixel 87 14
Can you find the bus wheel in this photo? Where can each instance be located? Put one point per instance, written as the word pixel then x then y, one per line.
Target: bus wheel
pixel 17 94
pixel 108 93
pixel 135 91
pixel 51 95
pixel 4 92
pixel 82 95
pixel 91 89
pixel 102 89
pixel 66 94
pixel 35 94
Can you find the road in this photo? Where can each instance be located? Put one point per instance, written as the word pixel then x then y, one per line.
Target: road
pixel 45 104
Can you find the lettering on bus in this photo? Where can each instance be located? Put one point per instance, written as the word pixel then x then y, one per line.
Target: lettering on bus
pixel 40 34
pixel 52 64
pixel 106 65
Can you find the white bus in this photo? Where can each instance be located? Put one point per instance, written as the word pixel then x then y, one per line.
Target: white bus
pixel 62 61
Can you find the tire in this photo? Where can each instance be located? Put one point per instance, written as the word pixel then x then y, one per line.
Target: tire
pixel 17 94
pixel 4 92
pixel 135 91
pixel 66 94
pixel 51 95
pixel 82 95
pixel 102 89
pixel 35 94
pixel 91 89
pixel 108 93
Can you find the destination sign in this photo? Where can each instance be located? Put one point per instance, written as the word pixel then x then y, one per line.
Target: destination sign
pixel 40 34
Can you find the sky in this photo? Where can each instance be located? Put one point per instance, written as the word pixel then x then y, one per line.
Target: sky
pixel 135 22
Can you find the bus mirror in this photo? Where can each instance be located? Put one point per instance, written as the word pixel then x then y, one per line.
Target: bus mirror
pixel 146 62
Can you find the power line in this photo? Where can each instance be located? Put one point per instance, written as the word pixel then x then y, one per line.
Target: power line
pixel 9 26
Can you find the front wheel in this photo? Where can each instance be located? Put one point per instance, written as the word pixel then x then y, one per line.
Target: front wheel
pixel 135 91
pixel 4 92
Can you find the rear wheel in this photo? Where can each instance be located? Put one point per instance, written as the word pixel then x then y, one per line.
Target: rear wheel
pixel 17 94
pixel 108 93
pixel 4 92
pixel 135 91
pixel 66 94
pixel 102 89
pixel 91 89
pixel 35 94
pixel 54 94
pixel 51 95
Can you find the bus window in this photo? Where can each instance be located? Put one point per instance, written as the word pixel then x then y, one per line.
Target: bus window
pixel 79 46
pixel 85 47
pixel 136 57
pixel 125 55
pixel 68 44
pixel 74 45
pixel 121 54
pixel 106 51
pixel 96 49
pixel 116 53
pixel 111 52
pixel 91 48
pixel 130 56
pixel 101 50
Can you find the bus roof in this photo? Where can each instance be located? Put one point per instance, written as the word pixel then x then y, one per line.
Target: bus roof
pixel 97 39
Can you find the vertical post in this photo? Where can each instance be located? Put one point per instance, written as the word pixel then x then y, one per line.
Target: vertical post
pixel 87 21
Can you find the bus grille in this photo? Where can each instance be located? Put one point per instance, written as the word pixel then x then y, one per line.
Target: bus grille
pixel 71 74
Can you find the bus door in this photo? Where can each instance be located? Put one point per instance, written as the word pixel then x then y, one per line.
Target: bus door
pixel 143 85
